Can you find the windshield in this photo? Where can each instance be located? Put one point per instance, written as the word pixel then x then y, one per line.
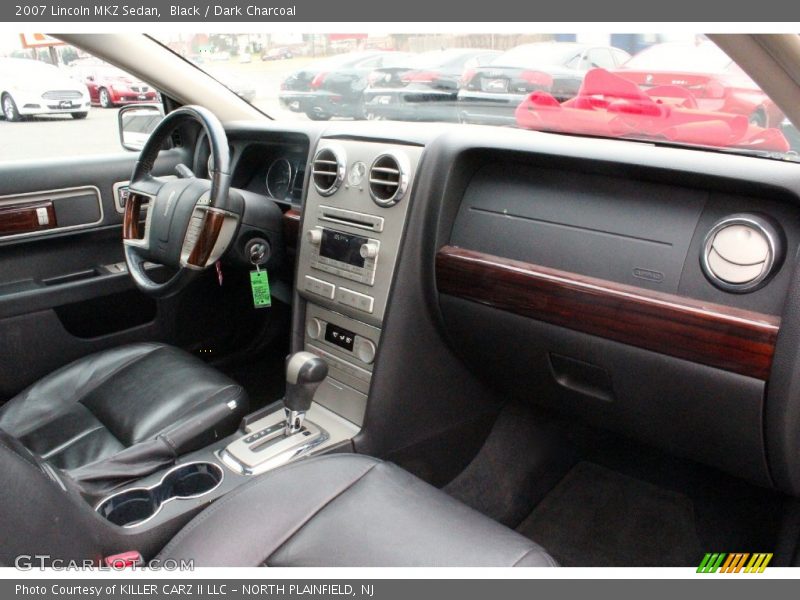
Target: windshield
pixel 110 72
pixel 22 66
pixel 553 54
pixel 673 88
pixel 678 89
pixel 348 59
pixel 691 58
pixel 442 58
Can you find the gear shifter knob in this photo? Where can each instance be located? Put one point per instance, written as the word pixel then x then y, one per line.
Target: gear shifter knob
pixel 304 374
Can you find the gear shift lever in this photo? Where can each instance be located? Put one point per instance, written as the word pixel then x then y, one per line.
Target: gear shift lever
pixel 304 373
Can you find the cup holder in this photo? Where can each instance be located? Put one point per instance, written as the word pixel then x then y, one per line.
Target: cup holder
pixel 136 505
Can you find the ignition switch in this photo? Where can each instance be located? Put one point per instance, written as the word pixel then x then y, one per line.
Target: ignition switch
pixel 257 251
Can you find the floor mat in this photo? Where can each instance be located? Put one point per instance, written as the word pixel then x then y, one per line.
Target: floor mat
pixel 596 517
pixel 518 465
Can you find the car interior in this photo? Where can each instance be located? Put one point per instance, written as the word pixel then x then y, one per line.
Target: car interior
pixel 260 342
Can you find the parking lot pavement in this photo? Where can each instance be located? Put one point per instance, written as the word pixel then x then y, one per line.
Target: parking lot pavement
pixel 60 136
pixel 63 136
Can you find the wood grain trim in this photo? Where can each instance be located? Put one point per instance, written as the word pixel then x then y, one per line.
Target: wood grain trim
pixel 24 218
pixel 732 339
pixel 291 227
pixel 207 238
pixel 131 229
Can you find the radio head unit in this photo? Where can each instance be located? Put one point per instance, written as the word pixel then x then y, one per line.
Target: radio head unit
pixel 342 247
pixel 344 254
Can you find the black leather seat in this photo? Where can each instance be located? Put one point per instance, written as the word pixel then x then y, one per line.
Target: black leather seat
pixel 124 412
pixel 338 510
pixel 347 510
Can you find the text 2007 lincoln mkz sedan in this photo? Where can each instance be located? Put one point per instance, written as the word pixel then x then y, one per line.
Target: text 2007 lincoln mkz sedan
pixel 255 341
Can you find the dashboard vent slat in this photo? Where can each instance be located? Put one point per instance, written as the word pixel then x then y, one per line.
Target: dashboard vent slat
pixel 328 169
pixel 388 179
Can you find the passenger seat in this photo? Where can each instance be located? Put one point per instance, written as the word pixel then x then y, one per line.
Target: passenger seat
pixel 340 510
pixel 347 510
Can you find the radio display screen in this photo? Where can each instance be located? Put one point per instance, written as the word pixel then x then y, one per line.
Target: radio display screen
pixel 343 247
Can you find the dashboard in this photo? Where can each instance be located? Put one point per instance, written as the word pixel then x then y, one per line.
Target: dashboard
pixel 275 170
pixel 638 288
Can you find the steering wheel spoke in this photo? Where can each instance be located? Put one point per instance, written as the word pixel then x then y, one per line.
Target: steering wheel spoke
pixel 146 186
pixel 134 231
pixel 202 237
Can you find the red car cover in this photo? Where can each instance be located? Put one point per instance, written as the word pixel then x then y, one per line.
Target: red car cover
pixel 611 106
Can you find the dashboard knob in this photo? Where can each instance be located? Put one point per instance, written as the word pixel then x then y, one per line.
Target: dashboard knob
pixel 314 236
pixel 365 351
pixel 369 250
pixel 315 328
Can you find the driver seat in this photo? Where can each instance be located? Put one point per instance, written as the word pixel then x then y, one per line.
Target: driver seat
pixel 122 413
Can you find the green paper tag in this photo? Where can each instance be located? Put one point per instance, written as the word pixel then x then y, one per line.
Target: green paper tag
pixel 260 286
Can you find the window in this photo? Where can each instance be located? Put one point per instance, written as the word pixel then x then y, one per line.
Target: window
pixel 659 82
pixel 600 57
pixel 58 101
pixel 620 56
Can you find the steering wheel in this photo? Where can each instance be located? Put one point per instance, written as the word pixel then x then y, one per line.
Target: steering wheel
pixel 190 222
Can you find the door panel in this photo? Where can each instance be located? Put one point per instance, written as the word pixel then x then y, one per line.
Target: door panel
pixel 60 282
pixel 64 291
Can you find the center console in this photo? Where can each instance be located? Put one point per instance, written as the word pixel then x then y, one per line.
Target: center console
pixel 353 221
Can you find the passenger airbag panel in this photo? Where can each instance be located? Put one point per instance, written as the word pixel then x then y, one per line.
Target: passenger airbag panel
pixel 623 230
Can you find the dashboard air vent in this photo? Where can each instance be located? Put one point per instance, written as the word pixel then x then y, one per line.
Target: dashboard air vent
pixel 741 252
pixel 388 179
pixel 328 170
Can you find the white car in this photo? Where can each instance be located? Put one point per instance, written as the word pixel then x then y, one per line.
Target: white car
pixel 31 87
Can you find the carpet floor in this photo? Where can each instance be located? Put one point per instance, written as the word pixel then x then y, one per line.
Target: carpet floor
pixel 598 517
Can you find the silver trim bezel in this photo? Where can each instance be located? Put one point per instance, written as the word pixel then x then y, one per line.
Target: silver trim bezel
pixel 341 169
pixel 57 194
pixel 303 449
pixel 144 241
pixel 774 252
pixel 292 175
pixel 404 166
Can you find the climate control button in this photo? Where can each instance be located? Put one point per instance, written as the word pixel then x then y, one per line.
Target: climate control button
pixel 365 350
pixel 319 287
pixel 315 328
pixel 355 300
